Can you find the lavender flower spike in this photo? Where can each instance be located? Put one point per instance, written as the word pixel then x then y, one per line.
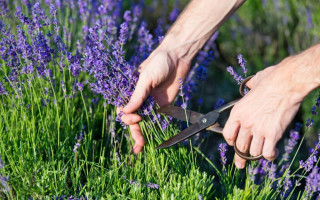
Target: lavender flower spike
pixel 242 62
pixel 223 149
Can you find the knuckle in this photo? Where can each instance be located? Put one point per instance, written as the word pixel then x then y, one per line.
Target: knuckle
pixel 254 152
pixel 228 137
pixel 247 124
pixel 272 136
pixel 242 147
pixel 234 112
pixel 269 155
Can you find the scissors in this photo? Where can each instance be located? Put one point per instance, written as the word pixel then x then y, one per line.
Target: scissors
pixel 201 122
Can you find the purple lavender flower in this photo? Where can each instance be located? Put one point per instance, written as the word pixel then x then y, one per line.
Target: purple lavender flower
pixel 219 103
pixel 174 14
pixel 312 182
pixel 223 148
pixel 3 90
pixel 292 142
pixel 309 122
pixel 312 159
pixel 4 182
pixel 79 138
pixel 102 10
pixel 252 171
pixel 80 86
pixel 152 186
pixel 1 163
pixel 309 19
pixel 236 77
pixel 58 3
pixel 3 7
pixel 39 17
pixel 127 16
pixel 83 9
pixel 287 184
pixel 124 28
pixel 242 62
pixel 183 105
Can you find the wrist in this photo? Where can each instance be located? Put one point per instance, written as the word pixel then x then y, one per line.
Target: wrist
pixel 180 48
pixel 302 71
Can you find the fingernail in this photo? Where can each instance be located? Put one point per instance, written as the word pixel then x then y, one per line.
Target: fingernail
pixel 239 165
pixel 134 120
pixel 136 149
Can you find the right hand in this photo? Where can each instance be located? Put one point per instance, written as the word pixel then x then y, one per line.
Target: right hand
pixel 159 77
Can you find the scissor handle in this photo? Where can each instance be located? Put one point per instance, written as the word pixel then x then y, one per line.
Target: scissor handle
pixel 243 84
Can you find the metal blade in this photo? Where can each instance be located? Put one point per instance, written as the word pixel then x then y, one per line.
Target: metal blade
pixel 204 122
pixel 180 114
pixel 186 133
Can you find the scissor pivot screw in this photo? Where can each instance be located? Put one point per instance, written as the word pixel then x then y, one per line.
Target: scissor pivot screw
pixel 204 120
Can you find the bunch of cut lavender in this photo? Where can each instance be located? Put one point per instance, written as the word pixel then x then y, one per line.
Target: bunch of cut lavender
pixel 105 61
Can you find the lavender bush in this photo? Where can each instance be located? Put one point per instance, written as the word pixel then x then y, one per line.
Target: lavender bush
pixel 65 66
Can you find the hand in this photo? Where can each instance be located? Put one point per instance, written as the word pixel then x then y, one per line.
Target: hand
pixel 159 76
pixel 259 119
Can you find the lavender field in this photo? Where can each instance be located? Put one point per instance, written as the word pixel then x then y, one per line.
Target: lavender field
pixel 67 65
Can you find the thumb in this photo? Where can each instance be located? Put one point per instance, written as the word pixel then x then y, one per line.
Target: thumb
pixel 140 94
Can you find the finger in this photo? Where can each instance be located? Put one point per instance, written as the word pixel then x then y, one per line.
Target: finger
pixel 140 93
pixel 243 144
pixel 131 119
pixel 249 84
pixel 230 131
pixel 137 137
pixel 269 150
pixel 256 145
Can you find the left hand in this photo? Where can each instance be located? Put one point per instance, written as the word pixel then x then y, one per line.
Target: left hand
pixel 258 121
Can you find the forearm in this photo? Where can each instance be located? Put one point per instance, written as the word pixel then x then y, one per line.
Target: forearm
pixel 303 71
pixel 199 20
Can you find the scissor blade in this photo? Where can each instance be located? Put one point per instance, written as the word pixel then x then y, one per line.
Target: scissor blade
pixel 206 121
pixel 186 133
pixel 180 114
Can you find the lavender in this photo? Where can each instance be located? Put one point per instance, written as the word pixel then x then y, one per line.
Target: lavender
pixel 292 142
pixel 3 90
pixel 287 184
pixel 252 171
pixel 4 182
pixel 219 103
pixel 3 7
pixel 312 159
pixel 152 186
pixel 310 122
pixel 242 62
pixel 198 72
pixel 148 184
pixel 309 19
pixel 312 182
pixel 78 139
pixel 175 12
pixel 223 149
pixel 236 76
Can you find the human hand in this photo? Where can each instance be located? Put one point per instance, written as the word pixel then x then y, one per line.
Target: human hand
pixel 258 121
pixel 159 77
